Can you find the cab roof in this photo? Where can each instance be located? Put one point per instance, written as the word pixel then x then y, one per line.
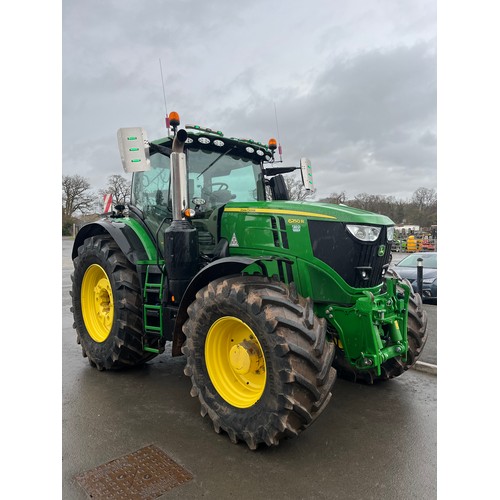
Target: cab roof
pixel 210 140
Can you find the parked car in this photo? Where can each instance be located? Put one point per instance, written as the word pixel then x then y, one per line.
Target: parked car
pixel 407 268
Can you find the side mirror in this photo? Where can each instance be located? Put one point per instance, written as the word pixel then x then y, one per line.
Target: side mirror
pixel 278 188
pixel 306 171
pixel 134 149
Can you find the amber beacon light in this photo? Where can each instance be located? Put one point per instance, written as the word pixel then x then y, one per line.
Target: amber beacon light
pixel 174 119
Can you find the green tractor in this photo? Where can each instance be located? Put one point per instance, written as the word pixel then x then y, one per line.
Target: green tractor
pixel 268 299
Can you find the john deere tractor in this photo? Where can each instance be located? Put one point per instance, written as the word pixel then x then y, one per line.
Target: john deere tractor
pixel 268 299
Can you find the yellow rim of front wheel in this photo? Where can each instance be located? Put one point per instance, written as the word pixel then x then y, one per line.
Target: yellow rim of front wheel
pixel 97 303
pixel 235 362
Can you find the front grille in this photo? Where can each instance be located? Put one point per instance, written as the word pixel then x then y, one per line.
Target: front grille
pixel 349 257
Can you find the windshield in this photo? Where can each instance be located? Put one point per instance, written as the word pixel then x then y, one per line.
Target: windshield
pixel 215 177
pixel 219 177
pixel 429 260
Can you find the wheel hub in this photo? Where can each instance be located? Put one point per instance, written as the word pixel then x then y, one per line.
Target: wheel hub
pixel 244 358
pixel 103 297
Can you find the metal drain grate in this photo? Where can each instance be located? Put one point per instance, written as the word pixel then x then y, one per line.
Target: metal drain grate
pixel 142 475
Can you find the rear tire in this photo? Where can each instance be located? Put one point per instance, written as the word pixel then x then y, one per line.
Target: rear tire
pixel 417 337
pixel 107 306
pixel 258 359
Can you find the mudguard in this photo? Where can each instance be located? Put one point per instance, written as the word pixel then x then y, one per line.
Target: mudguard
pixel 126 236
pixel 227 266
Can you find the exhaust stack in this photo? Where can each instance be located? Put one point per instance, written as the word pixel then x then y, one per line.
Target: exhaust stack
pixel 180 238
pixel 178 176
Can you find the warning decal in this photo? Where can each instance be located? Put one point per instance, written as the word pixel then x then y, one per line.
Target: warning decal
pixel 234 241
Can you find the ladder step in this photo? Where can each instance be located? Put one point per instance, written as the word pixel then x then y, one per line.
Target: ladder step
pixel 152 310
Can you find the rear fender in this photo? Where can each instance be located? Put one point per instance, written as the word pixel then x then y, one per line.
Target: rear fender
pixel 124 235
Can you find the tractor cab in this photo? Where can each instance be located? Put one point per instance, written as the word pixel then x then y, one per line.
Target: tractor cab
pixel 219 170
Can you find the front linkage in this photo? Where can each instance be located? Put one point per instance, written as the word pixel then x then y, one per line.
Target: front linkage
pixel 374 329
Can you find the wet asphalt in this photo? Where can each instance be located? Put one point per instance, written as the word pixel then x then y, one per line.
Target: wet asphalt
pixel 371 442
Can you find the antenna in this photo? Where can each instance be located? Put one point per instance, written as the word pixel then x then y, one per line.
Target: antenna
pixel 278 133
pixel 167 121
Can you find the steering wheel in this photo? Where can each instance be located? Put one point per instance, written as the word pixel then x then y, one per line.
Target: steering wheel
pixel 222 185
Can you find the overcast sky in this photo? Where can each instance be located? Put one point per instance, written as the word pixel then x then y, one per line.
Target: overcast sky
pixel 353 83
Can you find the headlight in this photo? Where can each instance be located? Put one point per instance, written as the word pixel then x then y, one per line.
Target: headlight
pixel 364 233
pixel 429 281
pixel 390 233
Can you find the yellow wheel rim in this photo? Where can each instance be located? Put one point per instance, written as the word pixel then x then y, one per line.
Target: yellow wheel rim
pixel 97 303
pixel 235 362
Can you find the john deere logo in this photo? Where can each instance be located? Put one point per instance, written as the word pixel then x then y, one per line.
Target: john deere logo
pixel 381 250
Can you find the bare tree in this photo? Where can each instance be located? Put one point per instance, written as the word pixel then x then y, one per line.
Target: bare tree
pixel 420 210
pixel 119 187
pixel 296 190
pixel 424 197
pixel 363 201
pixel 76 197
pixel 335 198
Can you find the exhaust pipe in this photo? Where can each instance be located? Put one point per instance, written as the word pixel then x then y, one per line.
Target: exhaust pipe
pixel 180 238
pixel 178 176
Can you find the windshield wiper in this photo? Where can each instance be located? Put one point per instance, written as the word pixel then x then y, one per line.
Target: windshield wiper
pixel 216 160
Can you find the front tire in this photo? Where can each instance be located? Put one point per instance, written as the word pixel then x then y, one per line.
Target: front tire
pixel 258 359
pixel 107 306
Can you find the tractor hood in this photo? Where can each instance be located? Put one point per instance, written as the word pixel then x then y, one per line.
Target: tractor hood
pixel 308 210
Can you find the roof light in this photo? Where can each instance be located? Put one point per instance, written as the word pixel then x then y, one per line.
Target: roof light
pixel 272 144
pixel 174 118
